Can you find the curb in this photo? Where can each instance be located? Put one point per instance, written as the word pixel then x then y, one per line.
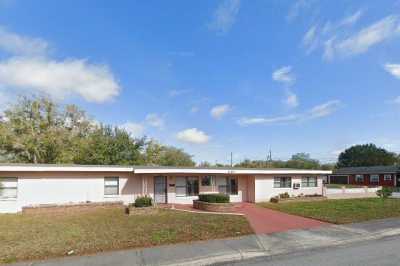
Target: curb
pixel 241 256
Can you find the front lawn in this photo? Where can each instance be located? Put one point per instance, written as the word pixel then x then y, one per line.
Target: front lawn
pixel 341 211
pixel 34 236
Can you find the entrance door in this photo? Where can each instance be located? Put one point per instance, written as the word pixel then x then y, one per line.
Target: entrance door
pixel 398 180
pixel 160 189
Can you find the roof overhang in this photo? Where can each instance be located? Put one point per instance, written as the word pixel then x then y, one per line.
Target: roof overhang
pixel 228 171
pixel 42 168
pixel 156 170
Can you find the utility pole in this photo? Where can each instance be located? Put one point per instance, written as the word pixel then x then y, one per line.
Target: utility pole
pixel 231 159
pixel 269 158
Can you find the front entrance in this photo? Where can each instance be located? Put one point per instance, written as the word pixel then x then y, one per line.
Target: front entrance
pixel 397 180
pixel 160 189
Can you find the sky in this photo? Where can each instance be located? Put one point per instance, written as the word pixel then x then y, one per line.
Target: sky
pixel 215 77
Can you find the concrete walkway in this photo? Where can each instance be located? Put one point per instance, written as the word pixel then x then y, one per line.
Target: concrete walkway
pixel 230 250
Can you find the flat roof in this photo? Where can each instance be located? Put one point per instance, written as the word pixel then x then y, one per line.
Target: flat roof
pixel 152 169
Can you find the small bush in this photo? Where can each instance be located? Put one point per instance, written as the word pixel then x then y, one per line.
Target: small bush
pixel 284 195
pixel 214 198
pixel 385 192
pixel 145 201
pixel 274 199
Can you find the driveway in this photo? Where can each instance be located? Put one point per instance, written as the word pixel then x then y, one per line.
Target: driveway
pixel 266 221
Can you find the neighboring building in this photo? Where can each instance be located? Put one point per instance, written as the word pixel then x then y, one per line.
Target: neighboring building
pixel 35 185
pixel 367 176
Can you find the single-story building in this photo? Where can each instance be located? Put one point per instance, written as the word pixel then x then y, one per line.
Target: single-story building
pixel 367 176
pixel 35 185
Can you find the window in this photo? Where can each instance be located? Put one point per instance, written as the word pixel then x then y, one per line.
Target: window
pixel 192 186
pixel 374 178
pixel 227 185
pixel 359 178
pixel 186 186
pixel 309 181
pixel 282 182
pixel 8 188
pixel 207 180
pixel 387 177
pixel 111 186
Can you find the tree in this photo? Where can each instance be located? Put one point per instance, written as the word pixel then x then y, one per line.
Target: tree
pixel 158 154
pixel 109 146
pixel 303 161
pixel 299 161
pixel 366 155
pixel 32 132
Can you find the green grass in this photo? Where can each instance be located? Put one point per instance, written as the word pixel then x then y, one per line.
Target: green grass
pixel 341 211
pixel 33 236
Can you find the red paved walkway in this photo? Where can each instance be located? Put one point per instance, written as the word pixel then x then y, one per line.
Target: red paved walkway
pixel 266 221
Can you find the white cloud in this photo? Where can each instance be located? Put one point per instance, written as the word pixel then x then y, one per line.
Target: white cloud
pixel 284 75
pixel 352 19
pixel 310 40
pixel 318 111
pixel 193 135
pixel 291 99
pixel 95 83
pixel 366 38
pixel 225 16
pixel 134 129
pixel 393 69
pixel 324 109
pixel 155 120
pixel 220 110
pixel 297 8
pixel 22 45
pixel 246 121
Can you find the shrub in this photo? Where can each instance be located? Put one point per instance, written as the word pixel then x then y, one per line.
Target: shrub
pixel 145 201
pixel 214 198
pixel 385 192
pixel 284 195
pixel 274 199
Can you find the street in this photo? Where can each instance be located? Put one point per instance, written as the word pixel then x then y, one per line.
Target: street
pixel 375 252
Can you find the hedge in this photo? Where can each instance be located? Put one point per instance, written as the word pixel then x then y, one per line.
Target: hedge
pixel 214 198
pixel 145 201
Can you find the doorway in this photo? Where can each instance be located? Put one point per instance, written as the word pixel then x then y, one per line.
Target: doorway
pixel 160 189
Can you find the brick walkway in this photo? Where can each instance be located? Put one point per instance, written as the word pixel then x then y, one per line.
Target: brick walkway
pixel 267 221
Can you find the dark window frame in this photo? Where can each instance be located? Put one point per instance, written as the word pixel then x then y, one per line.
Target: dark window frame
pixel 191 189
pixel 282 182
pixel 374 181
pixel 308 181
pixel 208 180
pixel 229 188
pixel 357 179
pixel 387 179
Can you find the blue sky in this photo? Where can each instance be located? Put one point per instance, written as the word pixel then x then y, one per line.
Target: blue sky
pixel 215 77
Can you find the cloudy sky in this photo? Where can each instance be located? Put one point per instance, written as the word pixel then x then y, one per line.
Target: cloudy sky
pixel 215 77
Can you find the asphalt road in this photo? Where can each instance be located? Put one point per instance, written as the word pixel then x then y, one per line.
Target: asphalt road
pixel 381 252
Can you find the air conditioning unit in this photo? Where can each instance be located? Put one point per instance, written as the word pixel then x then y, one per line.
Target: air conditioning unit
pixel 296 185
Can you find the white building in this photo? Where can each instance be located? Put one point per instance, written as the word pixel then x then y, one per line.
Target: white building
pixel 36 185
